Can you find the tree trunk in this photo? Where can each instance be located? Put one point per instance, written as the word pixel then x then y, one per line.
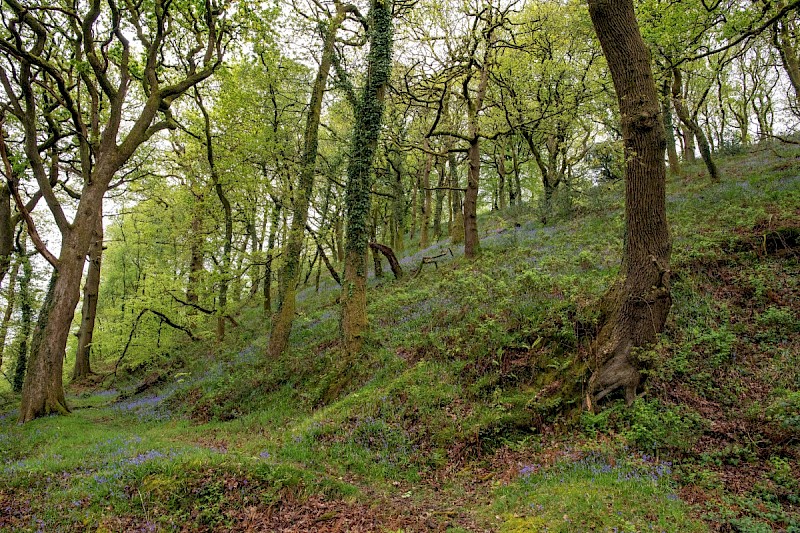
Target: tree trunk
pixel 274 226
pixel 398 204
pixel 456 208
pixel 6 231
pixel 471 240
pixel 389 254
pixel 43 390
pixel 500 158
pixel 91 289
pixel 440 194
pixel 636 307
pixel 368 120
pixel 10 304
pixel 26 319
pixel 290 273
pixel 424 239
pixel 692 125
pixel 666 112
pixel 782 39
pixel 196 268
pixel 515 190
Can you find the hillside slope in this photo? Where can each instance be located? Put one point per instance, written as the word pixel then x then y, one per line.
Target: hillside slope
pixel 464 412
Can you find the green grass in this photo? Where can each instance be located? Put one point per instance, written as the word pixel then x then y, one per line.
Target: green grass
pixel 595 493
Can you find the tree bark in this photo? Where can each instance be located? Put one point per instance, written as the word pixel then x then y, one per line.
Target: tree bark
pixel 691 123
pixel 500 159
pixel 26 318
pixel 424 239
pixel 636 307
pixel 782 39
pixel 290 273
pixel 368 120
pixel 440 194
pixel 456 207
pixel 6 231
pixel 196 268
pixel 389 254
pixel 669 130
pixel 11 301
pixel 91 290
pixel 274 226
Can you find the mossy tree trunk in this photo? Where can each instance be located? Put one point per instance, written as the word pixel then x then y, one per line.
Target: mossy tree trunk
pixel 290 272
pixel 26 319
pixel 368 120
pixel 636 307
pixel 11 301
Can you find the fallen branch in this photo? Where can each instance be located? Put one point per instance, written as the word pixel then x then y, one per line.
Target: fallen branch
pixel 432 259
pixel 397 270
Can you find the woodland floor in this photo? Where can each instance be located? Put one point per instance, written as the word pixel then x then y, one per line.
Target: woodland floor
pixel 464 413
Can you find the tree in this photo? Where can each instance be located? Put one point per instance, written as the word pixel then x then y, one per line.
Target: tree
pixel 290 274
pixel 368 120
pixel 636 307
pixel 72 75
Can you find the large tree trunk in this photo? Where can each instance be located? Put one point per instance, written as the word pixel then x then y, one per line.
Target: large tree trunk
pixel 290 273
pixel 636 307
pixel 368 120
pixel 43 390
pixel 196 268
pixel 471 240
pixel 91 290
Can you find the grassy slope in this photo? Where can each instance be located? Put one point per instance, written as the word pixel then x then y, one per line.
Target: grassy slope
pixel 463 413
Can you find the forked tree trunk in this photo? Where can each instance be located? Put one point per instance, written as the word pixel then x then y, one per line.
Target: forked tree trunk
pixel 636 307
pixel 43 390
pixel 368 120
pixel 91 289
pixel 290 273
